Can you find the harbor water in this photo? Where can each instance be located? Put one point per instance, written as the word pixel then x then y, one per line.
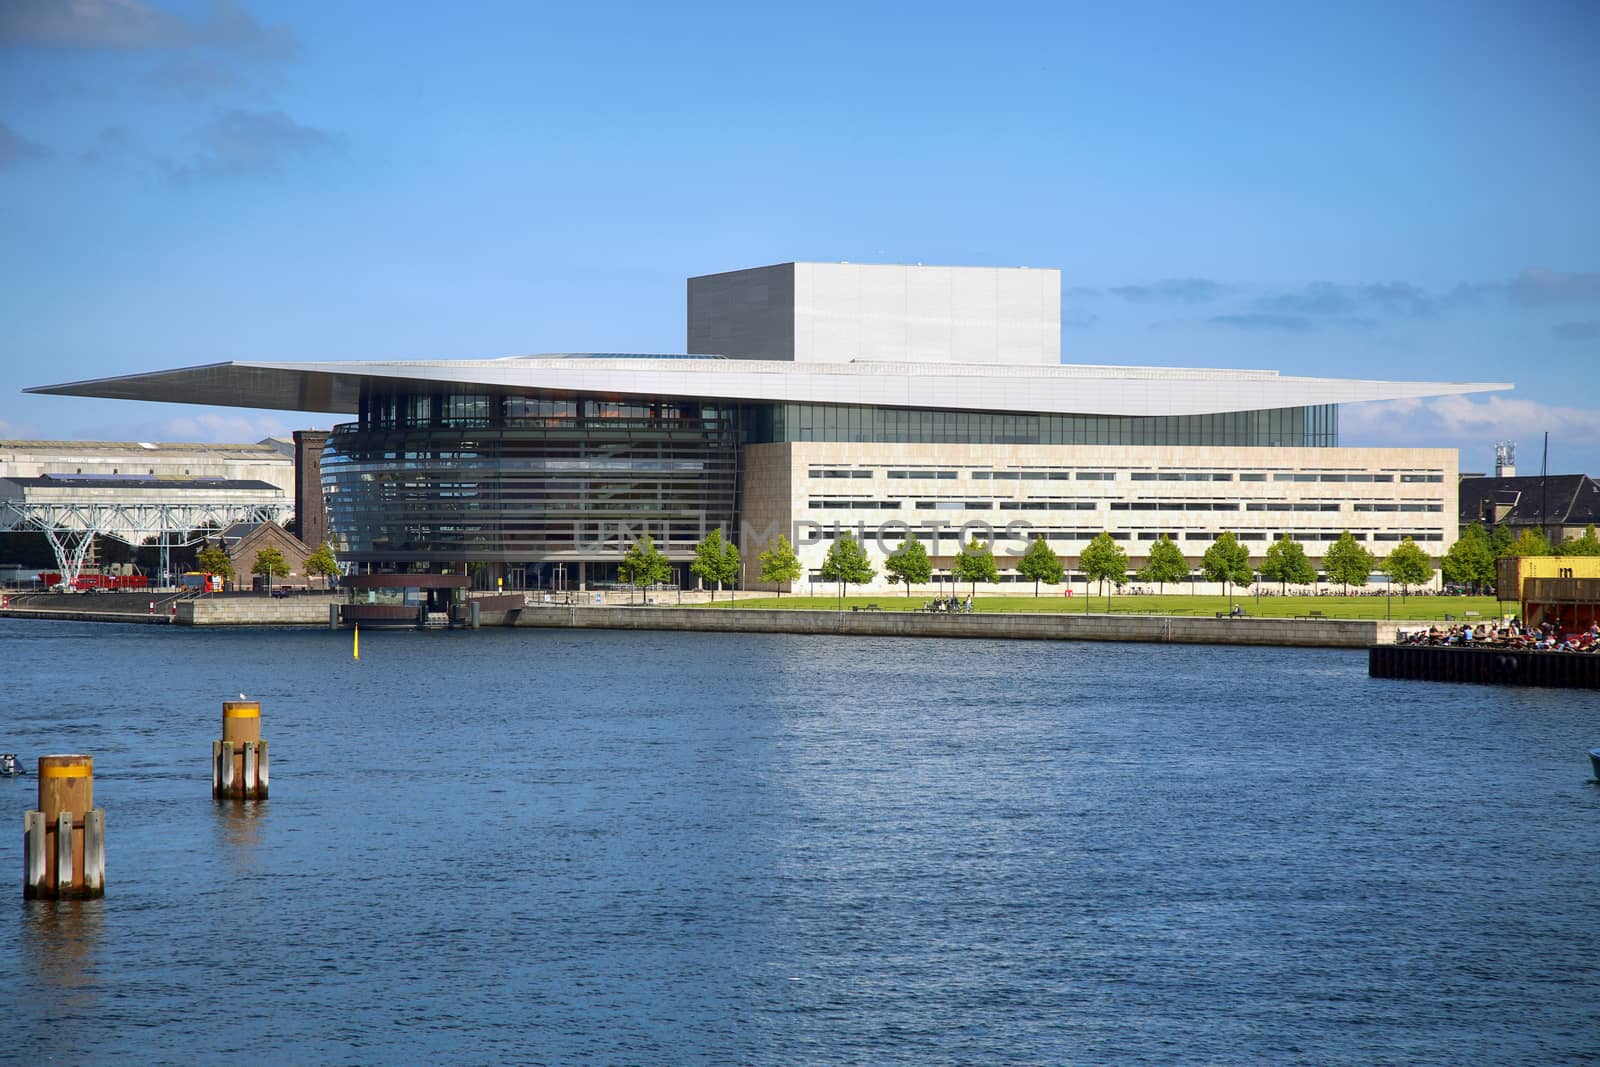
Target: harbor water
pixel 606 847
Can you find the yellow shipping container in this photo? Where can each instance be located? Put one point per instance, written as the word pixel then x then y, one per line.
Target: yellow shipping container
pixel 1513 572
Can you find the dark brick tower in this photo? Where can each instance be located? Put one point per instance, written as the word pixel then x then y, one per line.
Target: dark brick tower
pixel 309 509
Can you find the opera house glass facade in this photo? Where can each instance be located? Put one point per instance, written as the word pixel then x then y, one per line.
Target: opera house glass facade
pixel 533 484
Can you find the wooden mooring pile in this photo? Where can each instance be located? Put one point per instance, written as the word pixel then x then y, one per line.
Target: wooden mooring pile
pixel 239 760
pixel 64 840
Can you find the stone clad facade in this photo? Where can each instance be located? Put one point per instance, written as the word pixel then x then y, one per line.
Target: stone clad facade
pixel 1068 494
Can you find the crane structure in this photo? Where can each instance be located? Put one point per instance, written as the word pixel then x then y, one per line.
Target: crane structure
pixel 70 526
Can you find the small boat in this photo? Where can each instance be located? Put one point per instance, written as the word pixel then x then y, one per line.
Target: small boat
pixel 1594 760
pixel 10 767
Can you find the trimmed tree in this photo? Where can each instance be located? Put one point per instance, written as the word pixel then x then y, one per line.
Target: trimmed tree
pixel 643 565
pixel 1587 545
pixel 1529 542
pixel 1164 564
pixel 322 563
pixel 1104 559
pixel 779 564
pixel 215 562
pixel 716 560
pixel 1228 562
pixel 1470 561
pixel 1500 540
pixel 1408 565
pixel 1286 562
pixel 270 564
pixel 908 564
pixel 974 563
pixel 1348 562
pixel 1041 564
pixel 847 564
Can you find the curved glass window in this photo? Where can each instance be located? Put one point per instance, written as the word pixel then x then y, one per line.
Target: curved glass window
pixel 462 479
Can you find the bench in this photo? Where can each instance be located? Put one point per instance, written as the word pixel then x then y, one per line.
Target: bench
pixel 1312 615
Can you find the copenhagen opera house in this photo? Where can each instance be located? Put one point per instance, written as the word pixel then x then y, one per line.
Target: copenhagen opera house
pixel 879 399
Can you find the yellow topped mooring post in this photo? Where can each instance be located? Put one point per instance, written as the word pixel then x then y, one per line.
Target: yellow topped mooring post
pixel 64 845
pixel 239 760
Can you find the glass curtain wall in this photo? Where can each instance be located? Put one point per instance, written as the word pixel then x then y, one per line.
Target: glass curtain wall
pixel 437 479
pixel 1302 427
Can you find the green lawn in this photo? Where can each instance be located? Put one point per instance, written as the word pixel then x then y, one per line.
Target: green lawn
pixel 1432 608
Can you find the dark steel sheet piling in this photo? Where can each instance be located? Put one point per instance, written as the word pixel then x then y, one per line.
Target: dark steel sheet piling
pixel 1485 666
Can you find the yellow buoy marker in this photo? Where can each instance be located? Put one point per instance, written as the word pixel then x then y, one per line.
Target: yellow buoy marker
pixel 355 647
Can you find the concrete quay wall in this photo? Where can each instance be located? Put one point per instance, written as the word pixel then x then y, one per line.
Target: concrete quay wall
pixel 65 615
pixel 1304 633
pixel 254 611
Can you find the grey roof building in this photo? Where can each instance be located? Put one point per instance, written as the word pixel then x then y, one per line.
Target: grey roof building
pixel 1558 505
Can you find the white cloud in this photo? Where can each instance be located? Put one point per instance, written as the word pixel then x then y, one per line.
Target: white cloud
pixel 1456 415
pixel 207 427
pixel 1473 425
pixel 133 26
pixel 18 431
pixel 252 142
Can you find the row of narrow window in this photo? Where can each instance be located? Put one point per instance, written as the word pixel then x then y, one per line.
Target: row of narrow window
pixel 1419 507
pixel 1134 476
pixel 1087 533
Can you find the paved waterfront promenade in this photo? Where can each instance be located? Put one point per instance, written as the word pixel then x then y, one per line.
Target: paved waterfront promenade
pixel 312 610
pixel 1308 633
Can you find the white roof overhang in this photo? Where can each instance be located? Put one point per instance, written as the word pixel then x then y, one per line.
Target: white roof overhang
pixel 1066 389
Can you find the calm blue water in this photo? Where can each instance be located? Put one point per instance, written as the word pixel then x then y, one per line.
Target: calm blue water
pixel 551 847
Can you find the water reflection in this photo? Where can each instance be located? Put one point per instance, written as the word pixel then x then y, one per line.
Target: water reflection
pixel 61 943
pixel 238 827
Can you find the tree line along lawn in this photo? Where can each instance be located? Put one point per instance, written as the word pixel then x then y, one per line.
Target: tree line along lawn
pixel 1419 608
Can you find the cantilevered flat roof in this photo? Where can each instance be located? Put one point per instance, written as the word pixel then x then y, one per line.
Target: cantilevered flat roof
pixel 335 387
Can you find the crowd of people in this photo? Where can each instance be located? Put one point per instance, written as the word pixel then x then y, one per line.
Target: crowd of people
pixel 1513 635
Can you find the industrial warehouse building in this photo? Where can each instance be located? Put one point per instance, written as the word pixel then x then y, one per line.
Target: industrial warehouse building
pixel 878 399
pixel 270 460
pixel 78 493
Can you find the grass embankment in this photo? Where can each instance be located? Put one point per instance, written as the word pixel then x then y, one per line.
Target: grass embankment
pixel 1432 608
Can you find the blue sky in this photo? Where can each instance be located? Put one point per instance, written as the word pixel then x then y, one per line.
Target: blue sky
pixel 1362 190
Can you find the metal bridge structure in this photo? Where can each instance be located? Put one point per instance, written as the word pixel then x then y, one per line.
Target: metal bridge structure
pixel 71 526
